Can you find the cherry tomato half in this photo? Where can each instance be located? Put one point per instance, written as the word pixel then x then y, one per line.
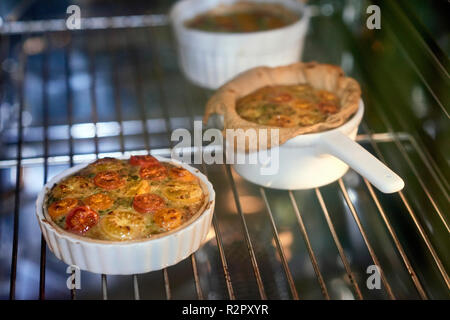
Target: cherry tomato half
pixel 181 174
pixel 143 161
pixel 148 202
pixel 156 172
pixel 81 219
pixel 62 207
pixel 328 107
pixel 108 180
pixel 168 218
pixel 99 201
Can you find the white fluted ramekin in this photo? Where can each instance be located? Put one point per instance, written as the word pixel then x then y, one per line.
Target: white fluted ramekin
pixel 126 257
pixel 210 59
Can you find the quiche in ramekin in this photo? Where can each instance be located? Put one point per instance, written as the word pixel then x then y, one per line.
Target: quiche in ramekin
pixel 315 111
pixel 117 216
pixel 218 39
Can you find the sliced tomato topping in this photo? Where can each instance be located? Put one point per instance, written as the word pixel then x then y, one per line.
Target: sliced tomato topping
pixel 59 208
pixel 123 225
pixel 148 202
pixel 143 161
pixel 155 172
pixel 181 174
pixel 81 219
pixel 168 218
pixel 109 180
pixel 99 201
pixel 325 107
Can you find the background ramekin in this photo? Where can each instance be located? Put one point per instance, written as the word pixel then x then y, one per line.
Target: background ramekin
pixel 210 59
pixel 128 257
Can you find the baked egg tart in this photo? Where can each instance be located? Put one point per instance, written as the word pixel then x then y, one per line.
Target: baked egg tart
pixel 117 200
pixel 296 99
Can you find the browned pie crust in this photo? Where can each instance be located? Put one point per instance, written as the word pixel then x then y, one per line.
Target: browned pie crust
pixel 320 76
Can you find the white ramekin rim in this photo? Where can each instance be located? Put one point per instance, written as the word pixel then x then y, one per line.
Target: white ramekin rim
pixel 177 20
pixel 60 233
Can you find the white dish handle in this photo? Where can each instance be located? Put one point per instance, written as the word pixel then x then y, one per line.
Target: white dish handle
pixel 359 159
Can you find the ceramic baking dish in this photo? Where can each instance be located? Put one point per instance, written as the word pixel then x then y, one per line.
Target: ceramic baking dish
pixel 210 59
pixel 316 159
pixel 127 257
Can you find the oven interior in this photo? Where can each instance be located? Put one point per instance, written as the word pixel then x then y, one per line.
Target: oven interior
pixel 115 88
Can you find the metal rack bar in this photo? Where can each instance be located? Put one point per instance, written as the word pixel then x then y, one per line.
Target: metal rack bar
pixel 416 221
pixel 78 158
pixel 424 236
pixel 117 98
pixel 69 97
pixel 21 93
pixel 45 128
pixel 42 263
pixel 92 92
pixel 279 246
pixel 218 237
pixel 140 101
pixel 394 236
pixel 118 112
pixel 366 239
pixel 223 258
pixel 167 284
pixel 431 165
pixel 422 184
pixel 158 73
pixel 136 287
pixel 94 115
pixel 248 241
pixel 137 63
pixel 397 243
pixel 338 245
pixel 198 287
pixel 424 81
pixel 404 154
pixel 104 287
pixel 388 125
pixel 87 23
pixel 312 256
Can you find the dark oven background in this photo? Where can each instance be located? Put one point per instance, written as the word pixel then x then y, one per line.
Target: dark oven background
pixel 67 96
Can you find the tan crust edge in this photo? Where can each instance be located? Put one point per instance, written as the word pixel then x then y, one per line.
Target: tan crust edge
pixel 321 76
